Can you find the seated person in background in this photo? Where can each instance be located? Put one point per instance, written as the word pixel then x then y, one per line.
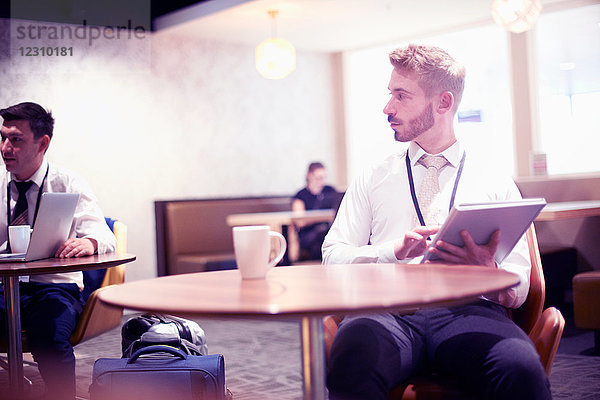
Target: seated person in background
pixel 315 196
pixel 50 304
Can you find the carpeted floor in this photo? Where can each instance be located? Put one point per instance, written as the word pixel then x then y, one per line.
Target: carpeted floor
pixel 263 361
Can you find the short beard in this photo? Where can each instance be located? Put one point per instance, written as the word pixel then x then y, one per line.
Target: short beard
pixel 417 126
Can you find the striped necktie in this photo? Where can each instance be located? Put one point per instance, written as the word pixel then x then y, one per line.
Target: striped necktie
pixel 429 191
pixel 20 214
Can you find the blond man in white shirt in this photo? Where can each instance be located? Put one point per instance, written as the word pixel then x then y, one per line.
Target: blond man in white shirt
pixel 477 345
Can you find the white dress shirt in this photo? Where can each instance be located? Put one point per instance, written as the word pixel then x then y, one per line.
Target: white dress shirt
pixel 88 221
pixel 377 210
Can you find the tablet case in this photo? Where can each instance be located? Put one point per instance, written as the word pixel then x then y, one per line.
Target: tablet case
pixel 512 218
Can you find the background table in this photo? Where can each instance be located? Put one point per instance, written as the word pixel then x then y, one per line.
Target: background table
pixel 569 209
pixel 280 221
pixel 308 293
pixel 10 272
pixel 567 248
pixel 280 218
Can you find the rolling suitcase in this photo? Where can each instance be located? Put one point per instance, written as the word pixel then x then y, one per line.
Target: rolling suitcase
pixel 159 372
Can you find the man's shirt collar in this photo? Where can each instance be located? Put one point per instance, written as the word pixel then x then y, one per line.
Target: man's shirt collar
pixel 38 176
pixel 453 153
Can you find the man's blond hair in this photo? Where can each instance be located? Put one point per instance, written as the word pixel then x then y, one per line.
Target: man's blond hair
pixel 437 71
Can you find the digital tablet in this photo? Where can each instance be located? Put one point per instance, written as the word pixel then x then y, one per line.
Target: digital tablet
pixel 481 220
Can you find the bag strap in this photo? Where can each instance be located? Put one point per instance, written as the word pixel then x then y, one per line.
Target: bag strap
pixel 192 349
pixel 149 339
pixel 157 349
pixel 184 329
pixel 152 317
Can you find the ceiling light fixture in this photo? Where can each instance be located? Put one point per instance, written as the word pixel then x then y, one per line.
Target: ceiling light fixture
pixel 275 58
pixel 516 15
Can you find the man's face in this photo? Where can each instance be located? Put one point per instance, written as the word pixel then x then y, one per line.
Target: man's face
pixel 21 152
pixel 409 110
pixel 316 180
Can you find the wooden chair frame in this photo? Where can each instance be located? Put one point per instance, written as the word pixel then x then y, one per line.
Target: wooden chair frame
pixel 544 327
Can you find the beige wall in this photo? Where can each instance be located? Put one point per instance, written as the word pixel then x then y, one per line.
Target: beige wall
pixel 174 117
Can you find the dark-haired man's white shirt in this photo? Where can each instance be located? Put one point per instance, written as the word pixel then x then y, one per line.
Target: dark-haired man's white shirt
pixel 88 220
pixel 377 210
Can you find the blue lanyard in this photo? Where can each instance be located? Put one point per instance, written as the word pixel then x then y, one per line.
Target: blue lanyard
pixel 412 186
pixel 37 203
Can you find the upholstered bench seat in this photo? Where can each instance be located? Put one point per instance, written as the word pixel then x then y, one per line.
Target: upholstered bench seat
pixel 193 235
pixel 586 303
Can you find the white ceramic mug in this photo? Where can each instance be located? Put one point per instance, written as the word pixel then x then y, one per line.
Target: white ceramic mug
pixel 252 246
pixel 18 236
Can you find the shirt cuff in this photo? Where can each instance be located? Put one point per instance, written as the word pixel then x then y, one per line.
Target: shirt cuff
pixel 386 254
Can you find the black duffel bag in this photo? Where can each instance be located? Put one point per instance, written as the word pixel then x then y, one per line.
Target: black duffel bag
pixel 149 329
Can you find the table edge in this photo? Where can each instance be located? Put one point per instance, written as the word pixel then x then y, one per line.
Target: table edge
pixel 448 302
pixel 37 267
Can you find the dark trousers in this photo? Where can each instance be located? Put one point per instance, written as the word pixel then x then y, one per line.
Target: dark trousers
pixel 49 314
pixel 476 345
pixel 311 239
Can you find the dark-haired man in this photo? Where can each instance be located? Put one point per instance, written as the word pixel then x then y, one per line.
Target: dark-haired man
pixel 387 215
pixel 50 304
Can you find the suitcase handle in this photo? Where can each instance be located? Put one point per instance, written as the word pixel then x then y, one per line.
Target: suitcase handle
pixel 154 349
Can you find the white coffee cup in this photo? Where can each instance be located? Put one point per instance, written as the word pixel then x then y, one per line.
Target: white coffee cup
pixel 18 237
pixel 252 246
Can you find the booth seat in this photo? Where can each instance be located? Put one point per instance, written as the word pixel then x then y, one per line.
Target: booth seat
pixel 193 235
pixel 586 303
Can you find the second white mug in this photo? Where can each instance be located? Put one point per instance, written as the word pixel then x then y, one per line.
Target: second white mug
pixel 252 246
pixel 18 237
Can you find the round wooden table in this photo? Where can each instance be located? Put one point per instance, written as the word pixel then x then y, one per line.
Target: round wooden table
pixel 10 272
pixel 308 293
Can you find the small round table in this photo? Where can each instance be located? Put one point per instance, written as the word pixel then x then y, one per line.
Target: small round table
pixel 10 272
pixel 308 293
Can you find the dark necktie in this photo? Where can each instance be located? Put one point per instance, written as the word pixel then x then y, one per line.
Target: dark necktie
pixel 20 214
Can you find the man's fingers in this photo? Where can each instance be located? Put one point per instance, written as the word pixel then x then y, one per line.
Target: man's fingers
pixel 471 253
pixel 59 251
pixel 63 247
pixel 470 244
pixel 414 236
pixel 75 248
pixel 494 241
pixel 450 248
pixel 426 230
pixel 447 257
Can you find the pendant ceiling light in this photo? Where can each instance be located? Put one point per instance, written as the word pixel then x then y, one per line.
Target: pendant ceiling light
pixel 516 15
pixel 275 57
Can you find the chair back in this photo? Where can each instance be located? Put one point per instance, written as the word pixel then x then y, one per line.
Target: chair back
pixel 98 278
pixel 545 329
pixel 531 311
pixel 96 317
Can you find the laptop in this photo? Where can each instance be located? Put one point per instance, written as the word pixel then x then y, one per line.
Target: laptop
pixel 51 229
